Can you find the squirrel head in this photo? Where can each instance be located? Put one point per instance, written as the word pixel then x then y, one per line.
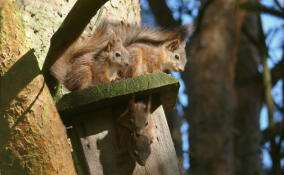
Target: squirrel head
pixel 117 53
pixel 141 149
pixel 136 121
pixel 137 117
pixel 139 114
pixel 176 57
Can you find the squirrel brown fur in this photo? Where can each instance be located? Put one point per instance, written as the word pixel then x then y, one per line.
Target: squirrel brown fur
pixel 82 64
pixel 135 124
pixel 152 50
pixel 137 118
pixel 136 149
pixel 95 61
pixel 146 58
pixel 81 46
pixel 130 33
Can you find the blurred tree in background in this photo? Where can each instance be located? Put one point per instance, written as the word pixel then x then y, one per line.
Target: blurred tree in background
pixel 235 63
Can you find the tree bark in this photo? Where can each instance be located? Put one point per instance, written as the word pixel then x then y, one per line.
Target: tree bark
pixel 32 136
pixel 249 103
pixel 211 88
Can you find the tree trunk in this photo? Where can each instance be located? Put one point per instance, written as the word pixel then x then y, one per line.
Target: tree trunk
pixel 211 92
pixel 32 136
pixel 249 103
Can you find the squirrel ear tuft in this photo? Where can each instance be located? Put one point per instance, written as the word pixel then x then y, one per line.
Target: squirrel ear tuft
pixel 182 44
pixel 173 45
pixel 111 42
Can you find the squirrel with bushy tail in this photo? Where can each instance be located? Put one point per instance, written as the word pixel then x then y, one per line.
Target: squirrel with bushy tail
pixel 117 51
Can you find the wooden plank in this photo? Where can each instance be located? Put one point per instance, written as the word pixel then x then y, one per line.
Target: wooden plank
pixel 93 113
pixel 163 159
pixel 111 94
pixel 97 137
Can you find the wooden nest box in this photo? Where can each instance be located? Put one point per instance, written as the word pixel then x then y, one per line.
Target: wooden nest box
pixel 91 114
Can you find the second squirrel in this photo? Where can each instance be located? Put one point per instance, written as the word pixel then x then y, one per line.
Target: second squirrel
pixel 117 51
pixel 135 125
pixel 91 69
pixel 147 58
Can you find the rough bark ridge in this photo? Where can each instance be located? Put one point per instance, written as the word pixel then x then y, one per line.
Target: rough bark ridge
pixel 211 77
pixel 32 137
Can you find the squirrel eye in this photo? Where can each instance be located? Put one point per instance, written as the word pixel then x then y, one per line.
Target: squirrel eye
pixel 146 124
pixel 176 57
pixel 117 54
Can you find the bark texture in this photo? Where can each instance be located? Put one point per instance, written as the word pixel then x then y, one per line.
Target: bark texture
pixel 32 136
pixel 211 88
pixel 249 103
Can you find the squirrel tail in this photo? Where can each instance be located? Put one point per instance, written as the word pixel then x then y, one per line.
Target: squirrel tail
pixel 94 44
pixel 134 34
pixel 61 66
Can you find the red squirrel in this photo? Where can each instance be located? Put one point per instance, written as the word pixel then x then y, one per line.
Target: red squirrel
pixel 135 129
pixel 152 50
pixel 137 118
pixel 94 61
pixel 146 58
pixel 91 69
pixel 117 51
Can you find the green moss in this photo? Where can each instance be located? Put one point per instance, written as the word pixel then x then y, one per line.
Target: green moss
pixel 10 164
pixel 111 93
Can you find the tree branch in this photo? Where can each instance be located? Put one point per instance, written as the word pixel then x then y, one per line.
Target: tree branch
pixel 266 75
pixel 277 72
pixel 279 5
pixel 256 7
pixel 270 132
pixel 163 15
